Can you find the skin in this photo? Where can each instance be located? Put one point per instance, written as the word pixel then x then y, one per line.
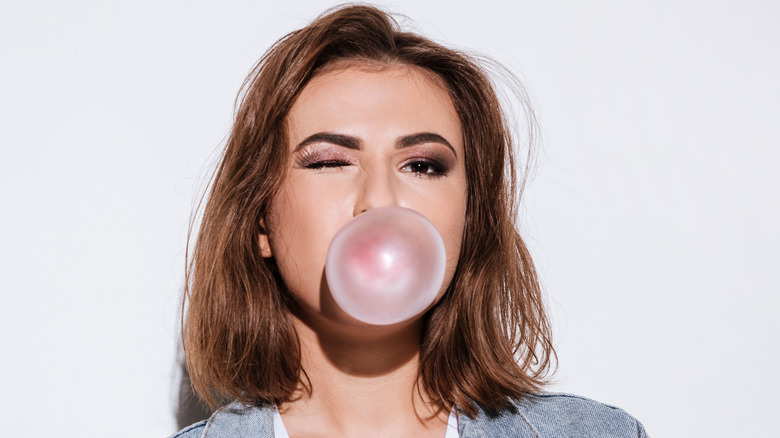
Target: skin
pixel 362 137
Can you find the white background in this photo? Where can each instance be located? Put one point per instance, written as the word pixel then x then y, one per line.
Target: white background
pixel 652 213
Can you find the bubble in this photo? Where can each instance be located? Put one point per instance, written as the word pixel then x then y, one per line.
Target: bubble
pixel 386 265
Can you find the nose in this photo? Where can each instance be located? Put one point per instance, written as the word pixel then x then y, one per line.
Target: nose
pixel 376 188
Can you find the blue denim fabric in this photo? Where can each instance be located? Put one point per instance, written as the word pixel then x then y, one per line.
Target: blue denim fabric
pixel 554 415
pixel 538 416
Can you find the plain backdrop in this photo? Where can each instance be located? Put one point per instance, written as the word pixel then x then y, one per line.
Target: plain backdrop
pixel 652 212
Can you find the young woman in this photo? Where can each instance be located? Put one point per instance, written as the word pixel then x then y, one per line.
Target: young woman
pixel 341 117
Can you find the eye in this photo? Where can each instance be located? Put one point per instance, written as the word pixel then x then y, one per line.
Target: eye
pixel 323 158
pixel 428 168
pixel 326 164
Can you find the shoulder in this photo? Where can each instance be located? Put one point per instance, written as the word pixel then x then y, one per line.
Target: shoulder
pixel 192 431
pixel 557 415
pixel 567 412
pixel 235 420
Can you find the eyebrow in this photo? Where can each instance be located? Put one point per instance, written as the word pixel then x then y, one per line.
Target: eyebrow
pixel 351 142
pixel 346 141
pixel 423 137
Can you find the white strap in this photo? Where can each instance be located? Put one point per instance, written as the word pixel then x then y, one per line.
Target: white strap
pixel 452 425
pixel 279 430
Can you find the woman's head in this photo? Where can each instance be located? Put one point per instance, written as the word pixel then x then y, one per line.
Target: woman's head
pixel 239 338
pixel 359 137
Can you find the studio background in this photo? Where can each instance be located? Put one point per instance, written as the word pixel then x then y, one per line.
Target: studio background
pixel 652 210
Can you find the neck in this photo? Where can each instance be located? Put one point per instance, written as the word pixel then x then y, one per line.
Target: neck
pixel 364 382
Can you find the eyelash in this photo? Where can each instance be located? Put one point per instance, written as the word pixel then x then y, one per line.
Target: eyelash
pixel 434 168
pixel 325 164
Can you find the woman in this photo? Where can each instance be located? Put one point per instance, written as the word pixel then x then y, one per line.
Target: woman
pixel 341 117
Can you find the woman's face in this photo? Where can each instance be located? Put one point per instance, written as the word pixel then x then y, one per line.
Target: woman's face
pixel 362 137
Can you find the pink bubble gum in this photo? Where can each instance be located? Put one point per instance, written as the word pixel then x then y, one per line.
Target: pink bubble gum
pixel 386 265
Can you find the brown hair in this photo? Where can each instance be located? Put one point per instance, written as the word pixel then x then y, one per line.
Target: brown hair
pixel 486 342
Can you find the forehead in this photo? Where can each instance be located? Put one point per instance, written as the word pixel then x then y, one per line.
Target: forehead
pixel 375 99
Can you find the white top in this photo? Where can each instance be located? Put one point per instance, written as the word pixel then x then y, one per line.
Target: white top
pixel 281 432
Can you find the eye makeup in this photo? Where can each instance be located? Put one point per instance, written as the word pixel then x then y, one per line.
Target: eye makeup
pixel 428 160
pixel 318 157
pixel 425 167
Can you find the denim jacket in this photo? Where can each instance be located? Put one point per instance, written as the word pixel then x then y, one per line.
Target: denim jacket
pixel 538 416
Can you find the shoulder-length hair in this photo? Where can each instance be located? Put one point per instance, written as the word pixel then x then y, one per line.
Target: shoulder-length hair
pixel 488 339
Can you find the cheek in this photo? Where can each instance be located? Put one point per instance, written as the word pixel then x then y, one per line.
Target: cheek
pixel 302 226
pixel 453 243
pixel 452 227
pixel 293 244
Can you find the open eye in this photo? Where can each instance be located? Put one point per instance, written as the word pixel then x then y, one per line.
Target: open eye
pixel 428 168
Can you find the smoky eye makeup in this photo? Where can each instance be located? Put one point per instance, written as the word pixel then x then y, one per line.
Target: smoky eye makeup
pixel 425 167
pixel 428 161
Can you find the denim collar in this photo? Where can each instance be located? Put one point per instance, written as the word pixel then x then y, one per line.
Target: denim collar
pixel 239 420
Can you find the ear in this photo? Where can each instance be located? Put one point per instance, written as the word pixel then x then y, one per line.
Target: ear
pixel 265 244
